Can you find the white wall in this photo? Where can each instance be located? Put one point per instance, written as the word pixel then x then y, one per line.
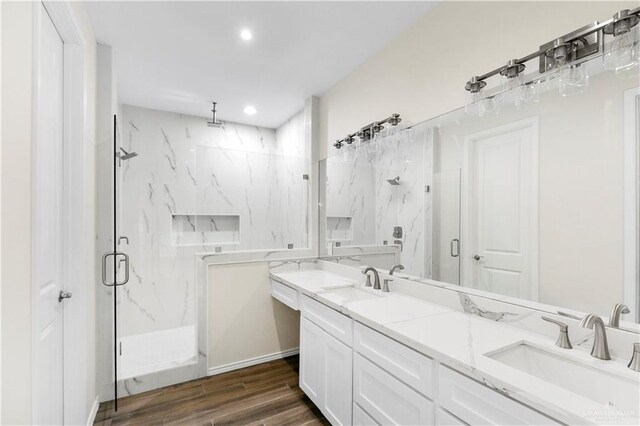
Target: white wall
pixel 17 42
pixel 15 193
pixel 245 322
pixel 0 212
pixel 422 73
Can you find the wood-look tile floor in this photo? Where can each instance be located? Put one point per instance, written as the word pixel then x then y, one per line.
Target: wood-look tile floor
pixel 265 394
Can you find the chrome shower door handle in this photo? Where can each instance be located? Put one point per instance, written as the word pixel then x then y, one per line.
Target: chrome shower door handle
pixel 115 256
pixel 454 243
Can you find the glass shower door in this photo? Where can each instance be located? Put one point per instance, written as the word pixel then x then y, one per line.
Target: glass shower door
pixel 157 339
pixel 115 263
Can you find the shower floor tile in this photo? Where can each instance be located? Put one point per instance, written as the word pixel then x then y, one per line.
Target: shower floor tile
pixel 265 394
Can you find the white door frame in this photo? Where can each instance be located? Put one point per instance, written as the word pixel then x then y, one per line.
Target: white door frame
pixel 631 201
pixel 77 256
pixel 467 196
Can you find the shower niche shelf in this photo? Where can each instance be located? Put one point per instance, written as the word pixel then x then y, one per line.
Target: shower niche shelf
pixel 200 229
pixel 339 228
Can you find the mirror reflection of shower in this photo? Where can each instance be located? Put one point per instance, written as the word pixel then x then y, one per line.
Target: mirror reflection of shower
pixel 124 155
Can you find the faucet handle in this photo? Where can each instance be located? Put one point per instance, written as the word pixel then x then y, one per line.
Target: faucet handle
pixel 563 338
pixel 634 364
pixel 385 286
pixel 368 283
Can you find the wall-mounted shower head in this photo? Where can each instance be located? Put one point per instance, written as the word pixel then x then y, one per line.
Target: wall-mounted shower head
pixel 394 181
pixel 127 155
pixel 214 122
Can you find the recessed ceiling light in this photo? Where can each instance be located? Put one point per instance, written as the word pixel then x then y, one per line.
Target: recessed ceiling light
pixel 246 35
pixel 250 110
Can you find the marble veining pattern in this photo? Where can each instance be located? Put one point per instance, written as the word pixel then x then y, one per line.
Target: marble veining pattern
pixel 187 170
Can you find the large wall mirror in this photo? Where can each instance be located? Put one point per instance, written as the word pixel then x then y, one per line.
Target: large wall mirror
pixel 533 195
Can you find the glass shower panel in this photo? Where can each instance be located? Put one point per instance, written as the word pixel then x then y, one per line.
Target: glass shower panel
pixel 157 308
pixel 446 226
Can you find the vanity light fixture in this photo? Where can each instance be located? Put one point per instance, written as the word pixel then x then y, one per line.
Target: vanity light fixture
pixel 560 59
pixel 367 132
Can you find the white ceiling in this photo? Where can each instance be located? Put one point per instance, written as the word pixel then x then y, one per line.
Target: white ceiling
pixel 179 56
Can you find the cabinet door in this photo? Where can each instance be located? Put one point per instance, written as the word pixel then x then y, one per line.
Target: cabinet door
pixel 338 379
pixel 361 418
pixel 386 399
pixel 312 361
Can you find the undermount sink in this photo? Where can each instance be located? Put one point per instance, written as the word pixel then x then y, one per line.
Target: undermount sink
pixel 592 383
pixel 348 294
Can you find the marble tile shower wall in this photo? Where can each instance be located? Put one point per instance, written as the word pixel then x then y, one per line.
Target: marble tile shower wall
pixel 187 192
pixel 358 191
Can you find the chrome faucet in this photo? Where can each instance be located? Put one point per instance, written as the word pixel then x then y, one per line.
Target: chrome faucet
pixel 614 318
pixel 600 348
pixel 393 268
pixel 376 277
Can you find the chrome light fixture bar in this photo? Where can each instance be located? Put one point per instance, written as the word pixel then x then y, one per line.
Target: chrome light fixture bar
pixel 367 132
pixel 577 45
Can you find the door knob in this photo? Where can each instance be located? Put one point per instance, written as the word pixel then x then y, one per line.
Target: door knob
pixel 477 257
pixel 62 295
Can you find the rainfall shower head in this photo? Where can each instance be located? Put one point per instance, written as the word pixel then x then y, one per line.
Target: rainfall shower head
pixel 394 181
pixel 214 122
pixel 127 155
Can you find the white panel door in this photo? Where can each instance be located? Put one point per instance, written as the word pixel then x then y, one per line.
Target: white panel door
pixel 47 227
pixel 502 210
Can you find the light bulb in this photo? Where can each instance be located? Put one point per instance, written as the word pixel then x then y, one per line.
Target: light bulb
pixel 573 80
pixel 622 55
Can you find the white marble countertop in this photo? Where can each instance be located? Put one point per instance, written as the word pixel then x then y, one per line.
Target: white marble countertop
pixel 461 340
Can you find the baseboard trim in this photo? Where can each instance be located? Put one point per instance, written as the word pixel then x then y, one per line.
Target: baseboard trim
pixel 94 411
pixel 212 371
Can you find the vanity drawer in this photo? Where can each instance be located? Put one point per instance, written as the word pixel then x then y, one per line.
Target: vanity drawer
pixel 361 418
pixel 411 367
pixel 338 325
pixel 475 403
pixel 285 294
pixel 386 399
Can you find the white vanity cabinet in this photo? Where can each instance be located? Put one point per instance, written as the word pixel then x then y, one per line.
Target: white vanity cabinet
pixel 356 375
pixel 394 384
pixel 326 360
